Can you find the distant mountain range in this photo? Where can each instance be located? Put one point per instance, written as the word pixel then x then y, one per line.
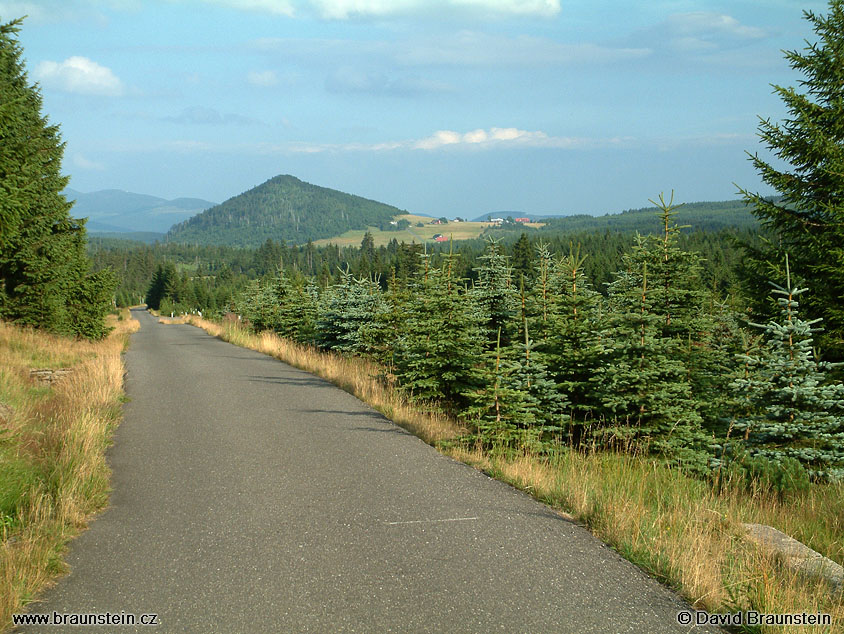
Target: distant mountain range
pixel 288 210
pixel 709 216
pixel 284 209
pixel 115 211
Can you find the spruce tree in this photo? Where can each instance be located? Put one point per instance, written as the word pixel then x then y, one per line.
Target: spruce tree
pixel 523 262
pixel 436 354
pixel 539 308
pixel 258 304
pixel 543 400
pixel 368 309
pixel 572 350
pixel 795 411
pixel 333 324
pixel 295 314
pixel 809 216
pixel 394 318
pixel 288 315
pixel 45 277
pixel 705 331
pixel 495 296
pixel 642 383
pixel 500 412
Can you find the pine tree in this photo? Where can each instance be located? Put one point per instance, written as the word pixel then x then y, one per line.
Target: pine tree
pixel 542 398
pixel 809 217
pixel 436 354
pixel 296 312
pixel 333 325
pixel 523 263
pixel 642 384
pixel 502 414
pixel 539 309
pixel 794 410
pixel 350 317
pixel 258 304
pixel 45 278
pixel 495 296
pixel 572 350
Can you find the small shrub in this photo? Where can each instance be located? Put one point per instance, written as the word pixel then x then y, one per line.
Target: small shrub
pixel 783 477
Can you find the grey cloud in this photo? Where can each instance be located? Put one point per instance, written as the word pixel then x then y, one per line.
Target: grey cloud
pixel 698 33
pixel 350 80
pixel 199 115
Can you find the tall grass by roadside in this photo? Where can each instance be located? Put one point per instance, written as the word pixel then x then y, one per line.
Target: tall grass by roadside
pixel 678 528
pixel 53 473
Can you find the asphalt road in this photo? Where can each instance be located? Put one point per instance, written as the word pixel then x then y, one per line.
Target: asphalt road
pixel 252 497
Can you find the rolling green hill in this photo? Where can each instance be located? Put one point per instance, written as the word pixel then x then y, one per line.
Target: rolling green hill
pixel 285 210
pixel 117 211
pixel 705 216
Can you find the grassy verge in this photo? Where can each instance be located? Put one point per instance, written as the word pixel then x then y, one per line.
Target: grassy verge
pixel 675 527
pixel 53 474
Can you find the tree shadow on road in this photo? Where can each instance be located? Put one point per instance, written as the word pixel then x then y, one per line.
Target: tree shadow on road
pixel 289 380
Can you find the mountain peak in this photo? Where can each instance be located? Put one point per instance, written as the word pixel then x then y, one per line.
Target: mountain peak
pixel 285 209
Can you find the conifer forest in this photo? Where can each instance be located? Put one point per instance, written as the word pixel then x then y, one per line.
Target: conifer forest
pixel 719 361
pixel 716 350
pixel 536 359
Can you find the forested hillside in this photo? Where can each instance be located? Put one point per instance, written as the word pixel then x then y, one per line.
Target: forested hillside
pixel 706 216
pixel 210 277
pixel 283 209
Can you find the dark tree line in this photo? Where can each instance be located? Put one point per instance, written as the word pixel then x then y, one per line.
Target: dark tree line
pixel 45 275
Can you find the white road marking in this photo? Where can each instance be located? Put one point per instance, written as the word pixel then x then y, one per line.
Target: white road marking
pixel 453 519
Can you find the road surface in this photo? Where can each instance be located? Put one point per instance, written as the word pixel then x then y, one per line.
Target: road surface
pixel 252 497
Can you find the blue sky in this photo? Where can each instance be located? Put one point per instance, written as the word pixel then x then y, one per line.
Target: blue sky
pixel 446 107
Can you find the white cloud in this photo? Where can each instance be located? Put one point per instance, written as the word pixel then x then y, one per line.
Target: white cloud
pixel 473 48
pixel 55 11
pixel 83 163
pixel 276 7
pixel 459 49
pixel 79 75
pixel 264 78
pixel 495 137
pixel 345 9
pixel 348 79
pixel 348 9
pixel 481 139
pixel 710 23
pixel 700 32
pixel 199 115
pixel 18 9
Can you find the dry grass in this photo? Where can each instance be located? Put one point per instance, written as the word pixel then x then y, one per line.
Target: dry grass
pixel 681 531
pixel 676 527
pixel 53 474
pixel 425 233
